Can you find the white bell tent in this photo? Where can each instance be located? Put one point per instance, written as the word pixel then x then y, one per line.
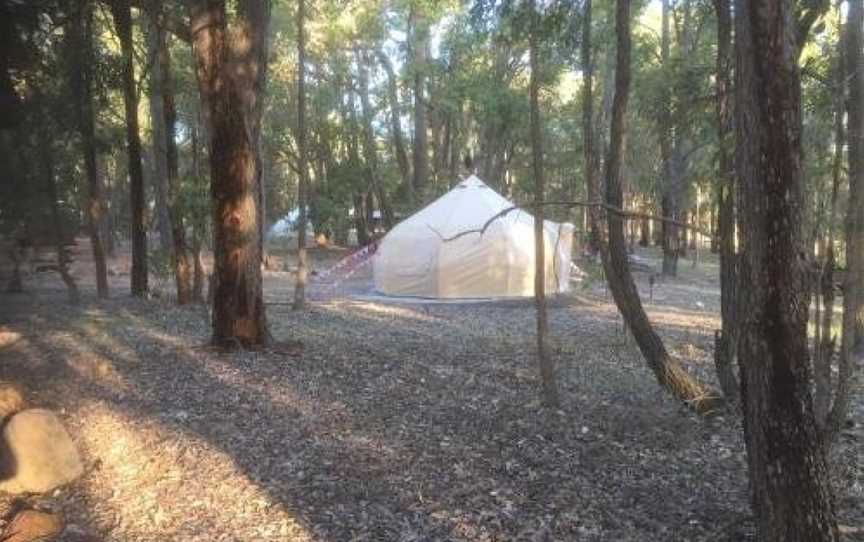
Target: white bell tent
pixel 425 255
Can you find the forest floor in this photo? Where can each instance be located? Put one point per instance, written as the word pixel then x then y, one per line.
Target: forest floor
pixel 393 422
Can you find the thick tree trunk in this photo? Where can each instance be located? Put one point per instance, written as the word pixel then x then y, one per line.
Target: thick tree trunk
pixel 727 338
pixel 122 14
pixel 419 32
pixel 546 363
pixel 81 39
pixel 227 65
pixel 669 374
pixel 302 161
pixel 791 493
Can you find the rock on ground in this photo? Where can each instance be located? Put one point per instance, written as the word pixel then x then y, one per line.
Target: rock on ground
pixel 33 526
pixel 39 453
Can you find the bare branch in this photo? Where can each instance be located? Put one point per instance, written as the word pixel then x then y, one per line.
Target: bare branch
pixel 631 215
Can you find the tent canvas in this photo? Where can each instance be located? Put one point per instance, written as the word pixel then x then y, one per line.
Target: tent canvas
pixel 425 255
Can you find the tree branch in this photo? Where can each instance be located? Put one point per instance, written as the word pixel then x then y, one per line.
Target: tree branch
pixel 171 22
pixel 605 206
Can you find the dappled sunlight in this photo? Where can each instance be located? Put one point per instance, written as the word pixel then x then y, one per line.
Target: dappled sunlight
pixel 386 311
pixel 152 467
pixel 224 368
pixel 8 337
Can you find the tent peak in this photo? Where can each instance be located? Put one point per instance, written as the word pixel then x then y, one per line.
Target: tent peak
pixel 472 182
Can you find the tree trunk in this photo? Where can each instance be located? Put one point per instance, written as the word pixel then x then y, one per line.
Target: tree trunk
pixel 852 341
pixel 684 233
pixel 546 363
pixel 302 161
pixel 668 197
pixel 696 219
pixel 82 73
pixel 455 147
pixel 419 32
pixel 592 188
pixel 644 231
pixel 670 236
pixel 825 347
pixel 198 274
pixel 122 15
pixel 727 338
pixel 791 493
pixel 164 115
pixel 227 64
pixel 56 224
pixel 198 228
pixel 715 225
pixel 156 41
pixel 107 228
pixel 369 151
pixel 360 224
pixel 669 374
pixel 396 126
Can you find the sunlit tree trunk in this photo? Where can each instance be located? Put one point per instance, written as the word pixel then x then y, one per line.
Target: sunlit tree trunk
pixel 789 483
pixel 227 63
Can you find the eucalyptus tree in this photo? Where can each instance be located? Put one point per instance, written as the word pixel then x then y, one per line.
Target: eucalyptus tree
pixel 121 11
pixel 235 46
pixel 789 483
pixel 80 36
pixel 302 160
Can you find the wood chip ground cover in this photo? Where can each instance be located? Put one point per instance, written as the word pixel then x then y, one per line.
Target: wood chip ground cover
pixel 392 422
